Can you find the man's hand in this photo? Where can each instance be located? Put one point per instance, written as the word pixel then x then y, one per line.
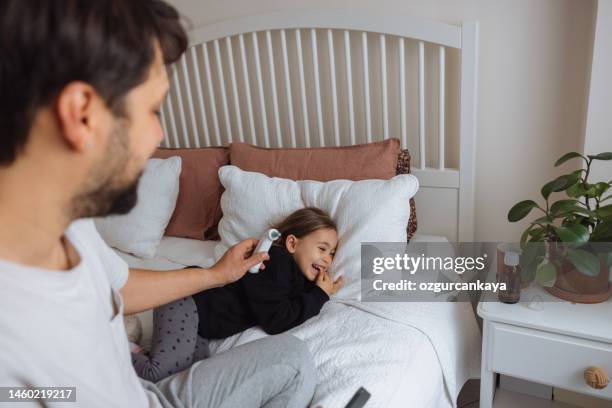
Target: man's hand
pixel 237 261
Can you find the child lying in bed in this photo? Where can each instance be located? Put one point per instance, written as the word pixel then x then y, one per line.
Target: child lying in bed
pixel 290 290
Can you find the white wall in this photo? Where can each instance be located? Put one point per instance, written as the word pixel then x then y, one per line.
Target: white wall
pixel 533 79
pixel 598 136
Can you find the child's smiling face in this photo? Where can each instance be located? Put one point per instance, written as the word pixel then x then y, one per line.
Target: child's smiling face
pixel 314 252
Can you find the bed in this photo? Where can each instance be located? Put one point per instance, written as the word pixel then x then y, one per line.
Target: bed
pixel 422 361
pixel 339 78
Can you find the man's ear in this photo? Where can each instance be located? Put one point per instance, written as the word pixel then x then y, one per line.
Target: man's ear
pixel 75 106
pixel 290 243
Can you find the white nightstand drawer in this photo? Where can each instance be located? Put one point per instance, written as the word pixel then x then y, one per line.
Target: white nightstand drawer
pixel 548 358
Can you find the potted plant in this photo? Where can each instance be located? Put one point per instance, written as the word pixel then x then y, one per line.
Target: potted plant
pixel 567 250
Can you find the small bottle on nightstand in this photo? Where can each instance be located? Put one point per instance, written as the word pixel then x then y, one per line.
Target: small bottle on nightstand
pixel 511 276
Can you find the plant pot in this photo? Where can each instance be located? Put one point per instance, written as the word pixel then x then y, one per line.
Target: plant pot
pixel 574 286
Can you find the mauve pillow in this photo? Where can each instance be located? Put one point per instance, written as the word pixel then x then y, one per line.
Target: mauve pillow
pixel 376 160
pixel 198 208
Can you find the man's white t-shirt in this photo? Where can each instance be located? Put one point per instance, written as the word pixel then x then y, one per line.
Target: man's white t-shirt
pixel 65 328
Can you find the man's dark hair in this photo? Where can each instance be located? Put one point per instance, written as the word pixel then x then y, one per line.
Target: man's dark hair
pixel 45 45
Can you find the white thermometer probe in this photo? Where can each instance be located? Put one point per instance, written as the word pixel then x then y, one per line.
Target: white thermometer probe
pixel 264 245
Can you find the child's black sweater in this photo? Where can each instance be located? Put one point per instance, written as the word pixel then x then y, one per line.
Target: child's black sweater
pixel 277 298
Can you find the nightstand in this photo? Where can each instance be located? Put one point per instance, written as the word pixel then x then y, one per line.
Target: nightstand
pixel 545 340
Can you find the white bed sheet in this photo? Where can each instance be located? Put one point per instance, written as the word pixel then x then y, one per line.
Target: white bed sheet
pixel 401 353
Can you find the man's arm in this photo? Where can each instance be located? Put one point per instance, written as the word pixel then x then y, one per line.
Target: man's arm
pixel 147 289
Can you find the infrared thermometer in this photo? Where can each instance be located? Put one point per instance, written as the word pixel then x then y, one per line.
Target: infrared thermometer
pixel 264 245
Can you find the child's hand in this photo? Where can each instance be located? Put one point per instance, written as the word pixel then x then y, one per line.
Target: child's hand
pixel 325 282
pixel 338 284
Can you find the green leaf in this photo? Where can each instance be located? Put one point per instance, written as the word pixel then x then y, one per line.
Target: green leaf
pixel 577 173
pixel 525 234
pixel 542 221
pixel 584 261
pixel 546 274
pixel 576 190
pixel 601 188
pixel 605 211
pixel 601 156
pixel 602 232
pixel 565 181
pixel 520 210
pixel 578 219
pixel 574 233
pixel 580 189
pixel 567 157
pixel 583 211
pixel 591 191
pixel 571 179
pixel 562 206
pixel 576 210
pixel 557 184
pixel 536 234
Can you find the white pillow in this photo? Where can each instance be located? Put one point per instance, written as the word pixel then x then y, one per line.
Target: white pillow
pixel 140 231
pixel 364 211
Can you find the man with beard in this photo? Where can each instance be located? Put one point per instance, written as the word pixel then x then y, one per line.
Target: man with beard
pixel 81 85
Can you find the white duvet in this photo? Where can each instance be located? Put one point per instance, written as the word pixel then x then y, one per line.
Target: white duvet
pixel 404 354
pixel 407 362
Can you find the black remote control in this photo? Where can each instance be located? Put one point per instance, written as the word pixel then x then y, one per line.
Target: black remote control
pixel 359 399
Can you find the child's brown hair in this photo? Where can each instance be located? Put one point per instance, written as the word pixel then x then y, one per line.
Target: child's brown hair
pixel 302 222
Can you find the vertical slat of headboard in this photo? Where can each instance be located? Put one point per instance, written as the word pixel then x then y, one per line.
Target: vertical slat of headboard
pixel 288 88
pixel 349 84
pixel 366 85
pixel 194 62
pixel 230 59
pixel 317 85
pixel 179 98
pixel 467 131
pixel 226 116
pixel 298 43
pixel 383 85
pixel 274 93
pixel 402 81
pixel 422 162
pixel 192 115
pixel 247 88
pixel 262 101
pixel 211 94
pixel 334 90
pixel 441 106
pixel 162 119
pixel 172 121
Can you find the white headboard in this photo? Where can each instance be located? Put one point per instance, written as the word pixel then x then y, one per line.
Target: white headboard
pixel 341 77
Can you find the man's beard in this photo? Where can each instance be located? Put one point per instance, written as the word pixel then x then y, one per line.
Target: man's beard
pixel 103 192
pixel 107 201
